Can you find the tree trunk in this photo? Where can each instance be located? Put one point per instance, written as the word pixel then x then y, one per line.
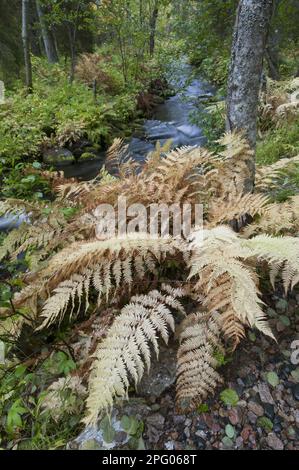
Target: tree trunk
pixel 248 50
pixel 73 55
pixel 26 45
pixel 153 25
pixel 48 39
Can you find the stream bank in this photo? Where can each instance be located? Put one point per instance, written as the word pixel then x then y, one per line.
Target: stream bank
pixel 170 120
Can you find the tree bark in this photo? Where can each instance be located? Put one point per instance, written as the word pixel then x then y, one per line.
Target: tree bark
pixel 48 39
pixel 153 25
pixel 248 50
pixel 26 45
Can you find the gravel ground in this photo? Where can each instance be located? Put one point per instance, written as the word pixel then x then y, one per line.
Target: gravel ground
pixel 267 383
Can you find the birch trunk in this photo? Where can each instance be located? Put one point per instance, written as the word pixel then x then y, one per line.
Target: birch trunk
pixel 248 51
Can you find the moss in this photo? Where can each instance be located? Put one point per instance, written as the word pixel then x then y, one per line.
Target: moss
pixel 87 156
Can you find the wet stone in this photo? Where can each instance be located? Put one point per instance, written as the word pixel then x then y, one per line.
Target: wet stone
pixel 256 408
pixel 269 411
pixel 295 391
pixel 274 442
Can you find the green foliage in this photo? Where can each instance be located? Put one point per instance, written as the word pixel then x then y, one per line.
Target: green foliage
pixel 24 417
pixel 57 113
pixel 273 379
pixel 215 66
pixel 203 408
pixel 265 423
pixel 21 183
pixel 229 397
pixel 279 143
pixel 212 121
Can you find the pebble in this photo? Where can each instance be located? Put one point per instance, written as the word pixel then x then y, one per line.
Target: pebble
pixel 265 394
pixel 251 417
pixel 245 433
pixel 295 391
pixel 239 442
pixel 256 408
pixel 178 419
pixel 274 442
pixel 269 411
pixel 227 442
pixel 200 443
pixel 233 416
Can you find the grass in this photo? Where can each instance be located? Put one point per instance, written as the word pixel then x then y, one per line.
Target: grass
pixel 278 143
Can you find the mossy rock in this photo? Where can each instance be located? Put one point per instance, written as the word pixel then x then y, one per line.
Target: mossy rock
pixel 87 156
pixel 58 156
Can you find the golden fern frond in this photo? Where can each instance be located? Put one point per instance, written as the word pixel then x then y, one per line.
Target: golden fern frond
pixel 228 285
pixel 43 233
pixel 196 362
pixel 276 219
pixel 154 158
pixel 279 252
pixel 118 159
pixel 236 207
pixel 104 265
pixel 12 240
pixel 121 356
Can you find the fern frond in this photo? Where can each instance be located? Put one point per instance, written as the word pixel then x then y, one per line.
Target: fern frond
pixel 106 265
pixel 228 285
pixel 196 374
pixel 276 219
pixel 278 252
pixel 236 207
pixel 120 357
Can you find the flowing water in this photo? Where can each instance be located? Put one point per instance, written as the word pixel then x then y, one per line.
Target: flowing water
pixel 171 120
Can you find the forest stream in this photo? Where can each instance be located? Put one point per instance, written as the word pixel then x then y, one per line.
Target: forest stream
pixel 171 120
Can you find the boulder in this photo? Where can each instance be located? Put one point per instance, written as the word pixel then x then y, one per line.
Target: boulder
pixel 162 373
pixel 58 156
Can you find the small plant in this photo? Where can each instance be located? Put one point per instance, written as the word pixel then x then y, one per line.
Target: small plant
pixel 229 397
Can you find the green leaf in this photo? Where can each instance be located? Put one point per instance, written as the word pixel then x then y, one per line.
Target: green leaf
pixel 265 423
pixel 230 431
pixel 284 320
pixel 295 374
pixel 203 408
pixel 108 430
pixel 130 425
pixel 252 336
pixel 273 379
pixel 229 397
pixel 20 371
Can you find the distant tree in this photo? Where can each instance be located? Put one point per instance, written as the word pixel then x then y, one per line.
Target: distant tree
pixel 26 45
pixel 248 50
pixel 47 35
pixel 11 52
pixel 153 25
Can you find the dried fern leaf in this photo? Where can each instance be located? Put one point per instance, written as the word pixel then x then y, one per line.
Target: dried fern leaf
pixel 196 374
pixel 123 355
